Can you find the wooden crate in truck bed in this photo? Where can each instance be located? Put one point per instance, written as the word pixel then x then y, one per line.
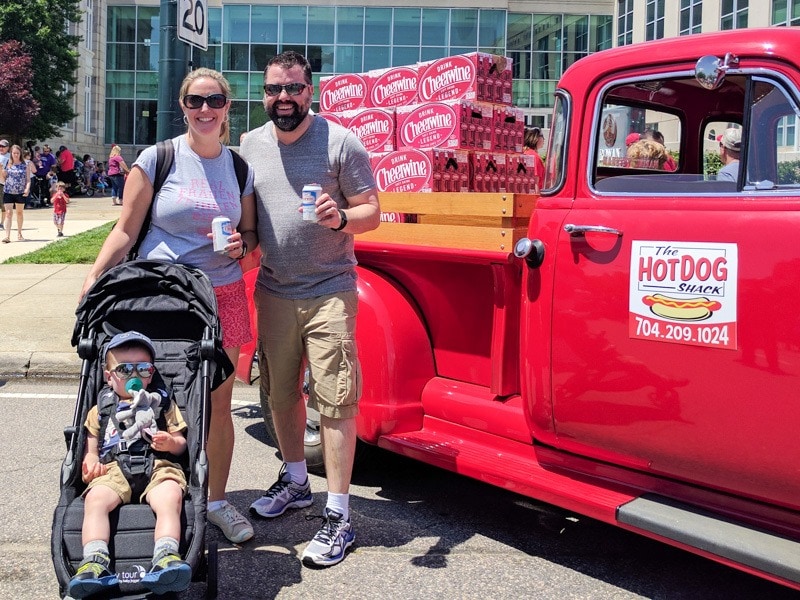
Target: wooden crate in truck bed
pixel 480 221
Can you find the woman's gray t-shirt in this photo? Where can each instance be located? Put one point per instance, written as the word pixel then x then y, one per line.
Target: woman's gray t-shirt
pixel 196 190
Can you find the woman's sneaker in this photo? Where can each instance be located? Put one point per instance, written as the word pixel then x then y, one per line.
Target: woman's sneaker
pixel 331 542
pixel 168 574
pixel 233 525
pixel 92 576
pixel 281 496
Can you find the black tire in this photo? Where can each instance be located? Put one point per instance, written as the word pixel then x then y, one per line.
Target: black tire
pixel 212 571
pixel 89 192
pixel 312 439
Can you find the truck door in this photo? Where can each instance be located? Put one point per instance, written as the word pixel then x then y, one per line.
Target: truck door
pixel 676 329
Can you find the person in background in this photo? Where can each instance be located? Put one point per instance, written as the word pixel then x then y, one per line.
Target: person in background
pixel 201 185
pixel 4 158
pixel 730 145
pixel 66 166
pixel 17 187
pixel 306 292
pixel 88 169
pixel 658 137
pixel 60 200
pixel 117 169
pixel 534 140
pixel 647 154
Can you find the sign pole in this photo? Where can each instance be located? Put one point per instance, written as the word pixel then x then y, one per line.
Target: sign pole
pixel 172 68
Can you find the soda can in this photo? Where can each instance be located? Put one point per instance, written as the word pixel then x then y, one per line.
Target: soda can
pixel 310 194
pixel 221 230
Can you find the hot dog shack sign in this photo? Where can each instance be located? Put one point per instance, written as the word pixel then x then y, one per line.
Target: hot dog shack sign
pixel 684 293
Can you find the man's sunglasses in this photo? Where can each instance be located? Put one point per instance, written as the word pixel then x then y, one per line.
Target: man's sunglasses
pixel 293 89
pixel 213 101
pixel 126 370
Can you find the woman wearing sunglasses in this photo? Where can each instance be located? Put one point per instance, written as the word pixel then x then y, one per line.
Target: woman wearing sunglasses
pixel 201 185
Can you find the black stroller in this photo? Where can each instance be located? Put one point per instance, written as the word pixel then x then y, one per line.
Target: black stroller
pixel 176 308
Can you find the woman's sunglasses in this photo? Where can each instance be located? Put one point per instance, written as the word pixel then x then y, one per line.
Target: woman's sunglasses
pixel 293 89
pixel 126 370
pixel 213 101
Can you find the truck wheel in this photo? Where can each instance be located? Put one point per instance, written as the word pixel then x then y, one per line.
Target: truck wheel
pixel 311 439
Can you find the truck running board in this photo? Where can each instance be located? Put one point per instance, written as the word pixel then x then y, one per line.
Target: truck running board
pixel 712 534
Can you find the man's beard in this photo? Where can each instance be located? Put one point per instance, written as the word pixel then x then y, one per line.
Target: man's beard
pixel 287 122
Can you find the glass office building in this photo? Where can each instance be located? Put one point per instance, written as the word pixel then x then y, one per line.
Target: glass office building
pixel 339 39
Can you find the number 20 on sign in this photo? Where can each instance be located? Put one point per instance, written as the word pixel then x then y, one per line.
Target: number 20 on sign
pixel 192 22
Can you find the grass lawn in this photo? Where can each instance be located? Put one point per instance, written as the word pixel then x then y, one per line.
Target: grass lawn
pixel 79 249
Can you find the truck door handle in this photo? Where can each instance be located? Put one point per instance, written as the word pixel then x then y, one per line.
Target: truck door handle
pixel 576 230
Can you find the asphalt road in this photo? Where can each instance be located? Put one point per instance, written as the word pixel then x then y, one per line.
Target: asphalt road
pixel 421 532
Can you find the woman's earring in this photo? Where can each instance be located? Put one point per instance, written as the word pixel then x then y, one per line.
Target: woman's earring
pixel 185 120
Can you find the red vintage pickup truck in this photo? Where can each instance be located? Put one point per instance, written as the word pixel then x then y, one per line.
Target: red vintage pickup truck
pixel 627 344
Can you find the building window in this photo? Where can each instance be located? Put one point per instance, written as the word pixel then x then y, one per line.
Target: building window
pixel 87 104
pixel 654 25
pixel 786 12
pixel 691 17
pixel 733 14
pixel 624 22
pixel 88 18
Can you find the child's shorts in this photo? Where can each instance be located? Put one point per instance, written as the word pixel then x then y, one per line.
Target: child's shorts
pixel 163 470
pixel 58 218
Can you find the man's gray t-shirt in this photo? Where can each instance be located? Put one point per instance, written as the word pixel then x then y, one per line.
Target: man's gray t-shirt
pixel 302 259
pixel 196 190
pixel 729 172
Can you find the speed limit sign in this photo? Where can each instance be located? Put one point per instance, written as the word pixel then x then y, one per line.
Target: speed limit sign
pixel 193 22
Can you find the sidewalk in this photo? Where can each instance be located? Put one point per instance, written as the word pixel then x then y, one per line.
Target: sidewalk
pixel 37 302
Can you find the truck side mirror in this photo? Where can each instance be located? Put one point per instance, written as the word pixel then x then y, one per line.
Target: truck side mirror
pixel 709 71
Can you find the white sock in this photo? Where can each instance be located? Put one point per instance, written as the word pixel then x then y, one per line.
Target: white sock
pixel 166 543
pixel 297 471
pixel 95 546
pixel 216 505
pixel 339 503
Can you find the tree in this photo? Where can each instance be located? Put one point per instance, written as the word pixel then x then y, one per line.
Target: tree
pixel 41 26
pixel 20 108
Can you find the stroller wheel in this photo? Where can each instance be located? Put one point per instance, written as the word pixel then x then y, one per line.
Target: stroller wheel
pixel 212 570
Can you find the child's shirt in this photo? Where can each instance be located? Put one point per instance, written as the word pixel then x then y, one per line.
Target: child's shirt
pixel 172 416
pixel 60 201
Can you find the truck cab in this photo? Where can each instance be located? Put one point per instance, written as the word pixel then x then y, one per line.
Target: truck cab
pixel 627 344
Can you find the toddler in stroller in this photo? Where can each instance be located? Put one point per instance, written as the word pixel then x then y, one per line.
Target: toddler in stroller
pixel 174 308
pixel 132 435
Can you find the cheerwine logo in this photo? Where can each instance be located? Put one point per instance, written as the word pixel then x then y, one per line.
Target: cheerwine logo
pixel 374 128
pixel 344 92
pixel 447 78
pixel 407 170
pixel 428 126
pixel 396 87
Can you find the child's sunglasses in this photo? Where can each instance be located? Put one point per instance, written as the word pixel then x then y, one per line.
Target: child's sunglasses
pixel 126 370
pixel 213 101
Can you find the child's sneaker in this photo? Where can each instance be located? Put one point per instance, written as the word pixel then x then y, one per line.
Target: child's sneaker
pixel 168 574
pixel 233 525
pixel 92 576
pixel 281 496
pixel 331 542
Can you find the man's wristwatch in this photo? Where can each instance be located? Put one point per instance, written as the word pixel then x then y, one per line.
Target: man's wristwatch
pixel 244 251
pixel 343 224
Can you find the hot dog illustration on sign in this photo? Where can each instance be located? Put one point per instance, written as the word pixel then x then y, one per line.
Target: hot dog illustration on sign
pixel 684 292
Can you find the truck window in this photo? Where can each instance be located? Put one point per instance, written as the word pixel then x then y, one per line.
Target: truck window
pixel 554 164
pixel 773 161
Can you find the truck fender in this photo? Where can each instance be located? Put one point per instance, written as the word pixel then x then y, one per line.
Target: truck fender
pixel 396 357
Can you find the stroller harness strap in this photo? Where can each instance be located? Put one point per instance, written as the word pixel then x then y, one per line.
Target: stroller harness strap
pixel 135 458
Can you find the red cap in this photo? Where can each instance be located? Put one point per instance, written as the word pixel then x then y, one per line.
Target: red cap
pixel 632 138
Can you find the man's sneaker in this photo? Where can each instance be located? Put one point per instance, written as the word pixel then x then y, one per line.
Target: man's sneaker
pixel 168 574
pixel 283 495
pixel 331 542
pixel 234 526
pixel 92 576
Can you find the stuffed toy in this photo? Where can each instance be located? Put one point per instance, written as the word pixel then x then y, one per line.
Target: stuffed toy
pixel 139 419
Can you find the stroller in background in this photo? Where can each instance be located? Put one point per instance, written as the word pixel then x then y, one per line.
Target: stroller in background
pixel 176 308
